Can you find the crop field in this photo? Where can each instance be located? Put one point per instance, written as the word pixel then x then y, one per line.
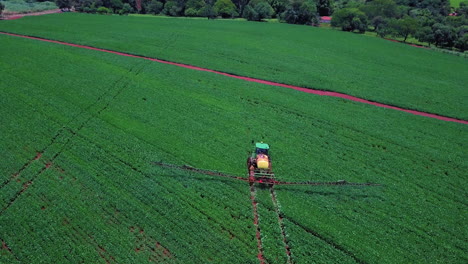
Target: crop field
pixel 370 68
pixel 81 130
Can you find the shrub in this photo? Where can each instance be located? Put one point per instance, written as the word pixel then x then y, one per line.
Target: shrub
pixel 350 19
pixel 126 9
pixel 103 10
pixel 155 7
pixel 257 10
pixel 225 8
pixel 171 8
pixel 300 12
pixel 194 8
pixel 116 4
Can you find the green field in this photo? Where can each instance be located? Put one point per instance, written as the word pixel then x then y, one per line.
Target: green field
pixel 372 68
pixel 99 119
pixel 456 3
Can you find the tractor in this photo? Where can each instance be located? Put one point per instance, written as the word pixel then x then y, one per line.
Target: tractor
pixel 259 164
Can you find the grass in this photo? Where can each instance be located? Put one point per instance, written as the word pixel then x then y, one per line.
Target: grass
pixel 455 3
pixel 100 119
pixel 21 6
pixel 374 69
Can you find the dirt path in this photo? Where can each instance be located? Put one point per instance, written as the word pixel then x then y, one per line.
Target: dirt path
pixel 11 16
pixel 249 79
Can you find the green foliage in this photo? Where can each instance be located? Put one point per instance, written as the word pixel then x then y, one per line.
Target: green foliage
pixel 300 12
pixel 258 10
pixel 174 8
pixel 208 11
pixel 425 34
pixel 403 27
pixel 103 10
pixel 126 9
pixel 116 4
pixel 325 7
pixel 194 8
pixel 350 19
pixel 21 6
pixel 171 8
pixel 462 41
pixel 380 8
pixel 2 7
pixel 64 3
pixel 463 9
pixel 225 8
pixel 155 7
pixel 444 35
pixel 343 67
pixel 279 6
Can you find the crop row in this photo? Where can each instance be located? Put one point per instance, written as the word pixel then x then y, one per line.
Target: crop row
pixel 127 113
pixel 310 57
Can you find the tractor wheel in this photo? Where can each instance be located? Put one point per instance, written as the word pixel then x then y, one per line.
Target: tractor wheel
pixel 250 162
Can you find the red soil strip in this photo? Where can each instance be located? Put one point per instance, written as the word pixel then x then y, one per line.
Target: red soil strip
pixel 281 224
pixel 38 156
pixel 12 16
pixel 255 214
pixel 414 45
pixel 297 88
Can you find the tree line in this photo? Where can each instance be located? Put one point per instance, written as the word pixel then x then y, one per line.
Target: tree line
pixel 289 11
pixel 428 21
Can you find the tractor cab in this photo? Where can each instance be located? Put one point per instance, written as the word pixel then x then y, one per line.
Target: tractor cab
pixel 261 148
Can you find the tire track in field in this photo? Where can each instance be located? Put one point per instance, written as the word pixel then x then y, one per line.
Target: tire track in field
pixel 274 199
pixel 249 79
pixel 255 215
pixel 67 139
pixel 147 175
pixel 7 248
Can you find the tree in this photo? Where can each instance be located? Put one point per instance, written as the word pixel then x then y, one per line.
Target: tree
pixel 425 34
pixel 279 6
pixel 382 8
pixel 404 27
pixel 377 22
pixel 257 10
pixel 225 8
pixel 194 8
pixel 325 7
pixel 240 5
pixel 2 7
pixel 126 9
pixel 172 8
pixel 443 35
pixel 64 3
pixel 300 12
pixel 350 19
pixel 462 42
pixel 208 11
pixel 116 4
pixel 155 7
pixel 463 9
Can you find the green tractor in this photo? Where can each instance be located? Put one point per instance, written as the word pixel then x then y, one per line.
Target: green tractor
pixel 259 164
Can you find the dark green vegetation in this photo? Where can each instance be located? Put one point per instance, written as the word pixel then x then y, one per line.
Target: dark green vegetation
pixel 97 120
pixel 426 20
pixel 289 11
pixel 370 68
pixel 22 6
